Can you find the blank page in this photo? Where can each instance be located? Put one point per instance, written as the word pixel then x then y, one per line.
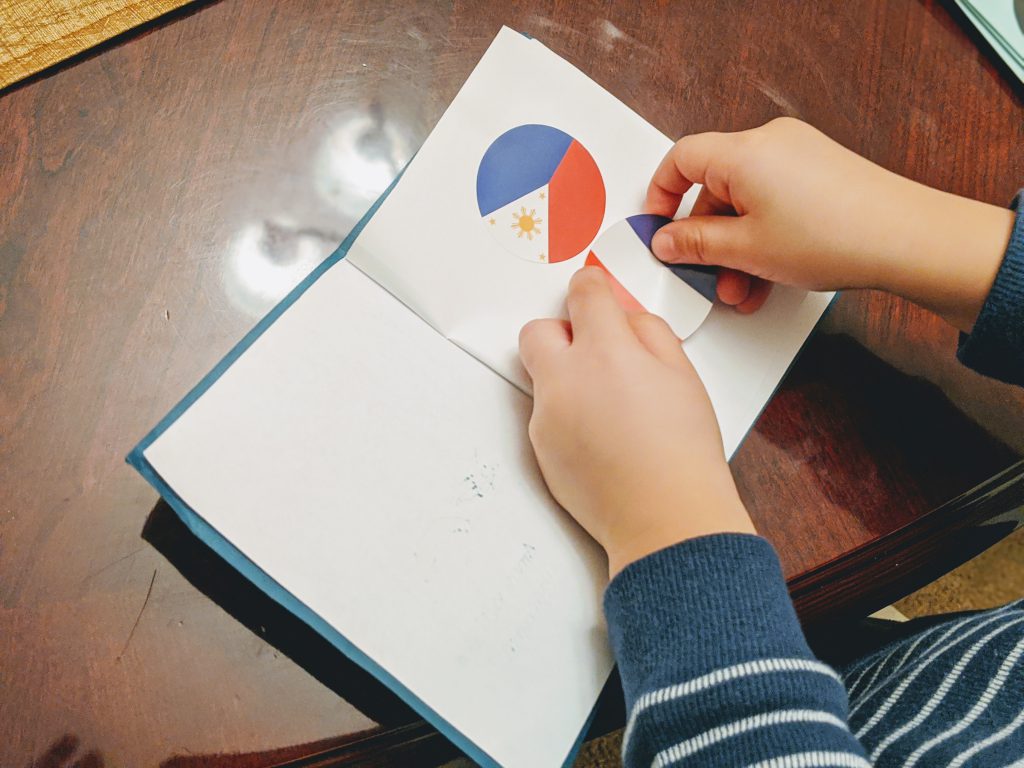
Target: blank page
pixel 384 477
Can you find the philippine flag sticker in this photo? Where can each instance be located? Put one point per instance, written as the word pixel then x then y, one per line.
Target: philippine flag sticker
pixel 540 194
pixel 683 295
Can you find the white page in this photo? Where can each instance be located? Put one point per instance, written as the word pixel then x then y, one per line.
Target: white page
pixel 1004 24
pixel 1010 47
pixel 384 477
pixel 427 245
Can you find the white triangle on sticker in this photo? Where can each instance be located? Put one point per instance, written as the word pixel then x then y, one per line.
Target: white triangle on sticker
pixel 522 226
pixel 649 281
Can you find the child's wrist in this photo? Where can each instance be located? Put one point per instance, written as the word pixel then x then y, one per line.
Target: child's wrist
pixel 948 255
pixel 639 537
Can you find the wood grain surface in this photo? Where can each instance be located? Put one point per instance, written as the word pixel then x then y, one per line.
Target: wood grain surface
pixel 36 34
pixel 158 198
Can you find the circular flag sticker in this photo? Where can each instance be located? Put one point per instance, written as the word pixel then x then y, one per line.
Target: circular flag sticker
pixel 540 194
pixel 682 294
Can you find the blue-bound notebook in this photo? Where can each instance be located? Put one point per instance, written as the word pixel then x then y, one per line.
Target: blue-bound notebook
pixel 361 455
pixel 1001 23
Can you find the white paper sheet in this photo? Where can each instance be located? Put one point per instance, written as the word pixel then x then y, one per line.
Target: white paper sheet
pixel 384 477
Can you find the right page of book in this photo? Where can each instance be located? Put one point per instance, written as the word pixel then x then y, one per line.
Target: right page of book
pixel 533 171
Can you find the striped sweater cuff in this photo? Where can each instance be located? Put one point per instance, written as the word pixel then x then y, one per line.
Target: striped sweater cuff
pixel 995 346
pixel 713 662
pixel 706 603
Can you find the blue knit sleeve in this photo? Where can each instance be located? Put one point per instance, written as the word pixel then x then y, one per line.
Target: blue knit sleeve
pixel 714 664
pixel 995 346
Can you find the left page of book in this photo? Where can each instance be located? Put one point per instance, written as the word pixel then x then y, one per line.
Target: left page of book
pixel 384 478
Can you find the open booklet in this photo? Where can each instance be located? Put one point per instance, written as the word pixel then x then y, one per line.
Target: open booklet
pixel 362 454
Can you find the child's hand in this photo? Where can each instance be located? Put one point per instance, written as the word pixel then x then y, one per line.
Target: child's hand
pixel 803 210
pixel 623 429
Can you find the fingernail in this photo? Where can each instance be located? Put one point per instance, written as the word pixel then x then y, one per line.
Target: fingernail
pixel 663 246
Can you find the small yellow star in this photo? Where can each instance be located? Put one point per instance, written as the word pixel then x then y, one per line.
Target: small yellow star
pixel 542 257
pixel 492 222
pixel 541 195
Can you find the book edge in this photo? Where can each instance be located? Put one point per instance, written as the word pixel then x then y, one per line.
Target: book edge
pixel 209 535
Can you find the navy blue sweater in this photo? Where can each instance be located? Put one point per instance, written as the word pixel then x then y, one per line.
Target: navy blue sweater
pixel 716 670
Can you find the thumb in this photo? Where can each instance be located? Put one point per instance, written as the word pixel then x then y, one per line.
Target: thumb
pixel 721 241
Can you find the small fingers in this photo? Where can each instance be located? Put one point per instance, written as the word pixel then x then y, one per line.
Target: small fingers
pixel 708 204
pixel 759 291
pixel 723 241
pixel 593 309
pixel 659 339
pixel 733 286
pixel 697 159
pixel 540 341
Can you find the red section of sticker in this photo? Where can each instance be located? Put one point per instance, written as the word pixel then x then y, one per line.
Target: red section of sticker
pixel 576 206
pixel 624 297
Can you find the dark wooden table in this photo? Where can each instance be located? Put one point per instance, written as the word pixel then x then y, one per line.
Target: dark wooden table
pixel 159 196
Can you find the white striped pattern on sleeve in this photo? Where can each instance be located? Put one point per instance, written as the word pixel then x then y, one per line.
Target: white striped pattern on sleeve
pixel 718 677
pixel 905 683
pixel 708 738
pixel 816 759
pixel 1003 733
pixel 947 629
pixel 993 687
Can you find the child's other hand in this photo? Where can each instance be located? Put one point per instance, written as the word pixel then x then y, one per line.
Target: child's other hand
pixel 623 429
pixel 801 209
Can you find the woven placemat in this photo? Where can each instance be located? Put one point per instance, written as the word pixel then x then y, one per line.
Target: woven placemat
pixel 36 34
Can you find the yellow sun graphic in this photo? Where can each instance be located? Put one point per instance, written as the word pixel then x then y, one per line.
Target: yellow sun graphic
pixel 526 223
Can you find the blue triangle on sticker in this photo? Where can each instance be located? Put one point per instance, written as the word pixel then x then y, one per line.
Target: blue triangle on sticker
pixel 703 279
